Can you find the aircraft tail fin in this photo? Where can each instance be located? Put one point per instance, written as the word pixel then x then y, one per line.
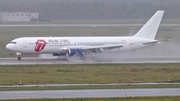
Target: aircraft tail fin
pixel 150 29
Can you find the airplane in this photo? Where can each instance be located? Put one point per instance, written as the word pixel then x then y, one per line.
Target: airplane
pixel 79 46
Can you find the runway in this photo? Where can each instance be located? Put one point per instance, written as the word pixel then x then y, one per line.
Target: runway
pixel 127 60
pixel 95 93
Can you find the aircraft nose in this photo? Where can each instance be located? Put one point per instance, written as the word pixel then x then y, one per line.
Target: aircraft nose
pixel 9 46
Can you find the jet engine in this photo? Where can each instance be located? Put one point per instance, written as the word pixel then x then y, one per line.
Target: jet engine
pixel 72 52
pixel 59 54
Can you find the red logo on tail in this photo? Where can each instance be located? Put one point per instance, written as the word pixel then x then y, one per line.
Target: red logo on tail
pixel 40 45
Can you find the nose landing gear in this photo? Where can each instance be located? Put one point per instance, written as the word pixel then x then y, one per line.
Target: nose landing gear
pixel 18 55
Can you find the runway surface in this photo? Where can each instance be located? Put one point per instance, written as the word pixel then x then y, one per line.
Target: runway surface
pixel 30 61
pixel 96 93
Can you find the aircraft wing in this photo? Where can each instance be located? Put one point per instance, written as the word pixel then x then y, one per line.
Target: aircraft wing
pixel 92 48
pixel 105 47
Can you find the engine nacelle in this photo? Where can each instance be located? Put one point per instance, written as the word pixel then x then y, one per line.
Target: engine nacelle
pixel 72 52
pixel 59 54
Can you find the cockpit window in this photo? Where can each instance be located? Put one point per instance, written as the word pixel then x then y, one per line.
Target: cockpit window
pixel 12 42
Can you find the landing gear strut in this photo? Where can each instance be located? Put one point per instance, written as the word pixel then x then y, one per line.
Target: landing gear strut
pixel 18 55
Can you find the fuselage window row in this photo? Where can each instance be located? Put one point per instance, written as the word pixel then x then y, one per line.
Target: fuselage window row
pixel 87 43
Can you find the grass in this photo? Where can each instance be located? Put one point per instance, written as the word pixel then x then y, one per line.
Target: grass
pixel 90 87
pixel 9 33
pixel 100 73
pixel 98 21
pixel 108 99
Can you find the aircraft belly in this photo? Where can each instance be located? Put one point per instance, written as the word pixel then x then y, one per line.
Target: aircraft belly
pixel 52 50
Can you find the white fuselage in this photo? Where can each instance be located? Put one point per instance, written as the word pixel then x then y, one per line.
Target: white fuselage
pixel 50 45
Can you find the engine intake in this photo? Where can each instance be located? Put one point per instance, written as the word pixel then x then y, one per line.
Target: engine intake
pixel 72 52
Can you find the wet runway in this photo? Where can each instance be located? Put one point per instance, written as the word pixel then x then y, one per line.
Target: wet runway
pixel 29 61
pixel 95 93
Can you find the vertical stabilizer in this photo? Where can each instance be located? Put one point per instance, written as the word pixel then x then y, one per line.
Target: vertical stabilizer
pixel 149 30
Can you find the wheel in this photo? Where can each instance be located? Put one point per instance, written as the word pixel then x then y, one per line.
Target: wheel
pixel 19 58
pixel 18 55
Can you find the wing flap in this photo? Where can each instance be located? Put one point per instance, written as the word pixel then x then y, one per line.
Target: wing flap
pixel 102 47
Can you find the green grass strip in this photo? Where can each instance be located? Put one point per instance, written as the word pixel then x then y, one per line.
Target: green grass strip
pixel 92 74
pixel 90 87
pixel 108 99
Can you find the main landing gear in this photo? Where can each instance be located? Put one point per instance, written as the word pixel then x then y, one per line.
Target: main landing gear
pixel 18 55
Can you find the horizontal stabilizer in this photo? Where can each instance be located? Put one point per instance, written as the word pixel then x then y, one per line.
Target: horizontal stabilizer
pixel 153 42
